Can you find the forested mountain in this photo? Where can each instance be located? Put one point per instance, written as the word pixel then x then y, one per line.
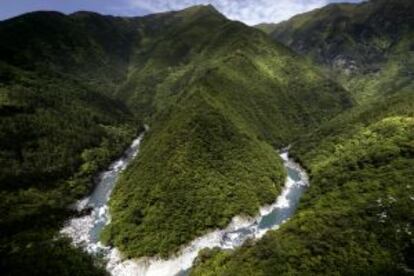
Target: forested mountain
pixel 222 94
pixel 59 126
pixel 220 99
pixel 357 216
pixel 75 89
pixel 370 45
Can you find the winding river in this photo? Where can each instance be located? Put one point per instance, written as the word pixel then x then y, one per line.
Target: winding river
pixel 85 230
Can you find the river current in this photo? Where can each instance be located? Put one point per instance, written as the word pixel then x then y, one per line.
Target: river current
pixel 85 230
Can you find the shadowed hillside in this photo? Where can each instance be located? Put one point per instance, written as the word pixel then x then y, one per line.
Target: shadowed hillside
pixel 219 97
pixel 367 47
pixel 356 218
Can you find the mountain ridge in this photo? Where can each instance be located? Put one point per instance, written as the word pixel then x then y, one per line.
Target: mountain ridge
pixel 365 46
pixel 356 216
pixel 188 74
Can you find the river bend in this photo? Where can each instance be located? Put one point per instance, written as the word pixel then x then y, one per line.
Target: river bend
pixel 85 230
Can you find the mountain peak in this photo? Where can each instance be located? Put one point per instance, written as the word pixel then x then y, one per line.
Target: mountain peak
pixel 201 9
pixel 37 14
pixel 85 14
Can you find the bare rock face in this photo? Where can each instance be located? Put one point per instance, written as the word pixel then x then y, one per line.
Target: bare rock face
pixel 345 64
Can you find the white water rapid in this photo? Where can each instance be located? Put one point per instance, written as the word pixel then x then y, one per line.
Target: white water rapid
pixel 85 230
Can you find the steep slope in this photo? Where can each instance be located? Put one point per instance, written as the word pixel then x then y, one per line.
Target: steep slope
pixel 221 94
pixel 367 47
pixel 200 45
pixel 266 27
pixel 75 89
pixel 59 126
pixel 357 216
pixel 93 48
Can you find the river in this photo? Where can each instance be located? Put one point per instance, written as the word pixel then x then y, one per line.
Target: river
pixel 85 230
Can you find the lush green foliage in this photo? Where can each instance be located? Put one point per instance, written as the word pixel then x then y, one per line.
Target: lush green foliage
pixel 266 27
pixel 35 253
pixel 216 93
pixel 58 128
pixel 55 136
pixel 221 94
pixel 196 171
pixel 357 216
pixel 94 49
pixel 355 219
pixel 367 46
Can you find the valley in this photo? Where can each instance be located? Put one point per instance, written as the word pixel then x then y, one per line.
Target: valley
pixel 195 192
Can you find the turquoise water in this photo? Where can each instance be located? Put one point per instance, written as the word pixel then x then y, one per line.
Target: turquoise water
pixel 280 215
pixel 283 209
pixel 85 230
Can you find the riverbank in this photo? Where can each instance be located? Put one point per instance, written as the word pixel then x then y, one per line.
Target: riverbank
pixel 85 230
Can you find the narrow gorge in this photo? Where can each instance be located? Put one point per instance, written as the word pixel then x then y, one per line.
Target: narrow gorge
pixel 85 230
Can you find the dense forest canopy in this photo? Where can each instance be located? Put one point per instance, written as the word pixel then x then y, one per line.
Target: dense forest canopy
pixel 220 98
pixel 357 216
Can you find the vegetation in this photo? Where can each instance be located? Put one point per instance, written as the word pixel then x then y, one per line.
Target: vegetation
pixel 221 100
pixel 35 254
pixel 357 216
pixel 196 172
pixel 75 89
pixel 266 27
pixel 57 130
pixel 220 97
pixel 55 136
pixel 367 47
